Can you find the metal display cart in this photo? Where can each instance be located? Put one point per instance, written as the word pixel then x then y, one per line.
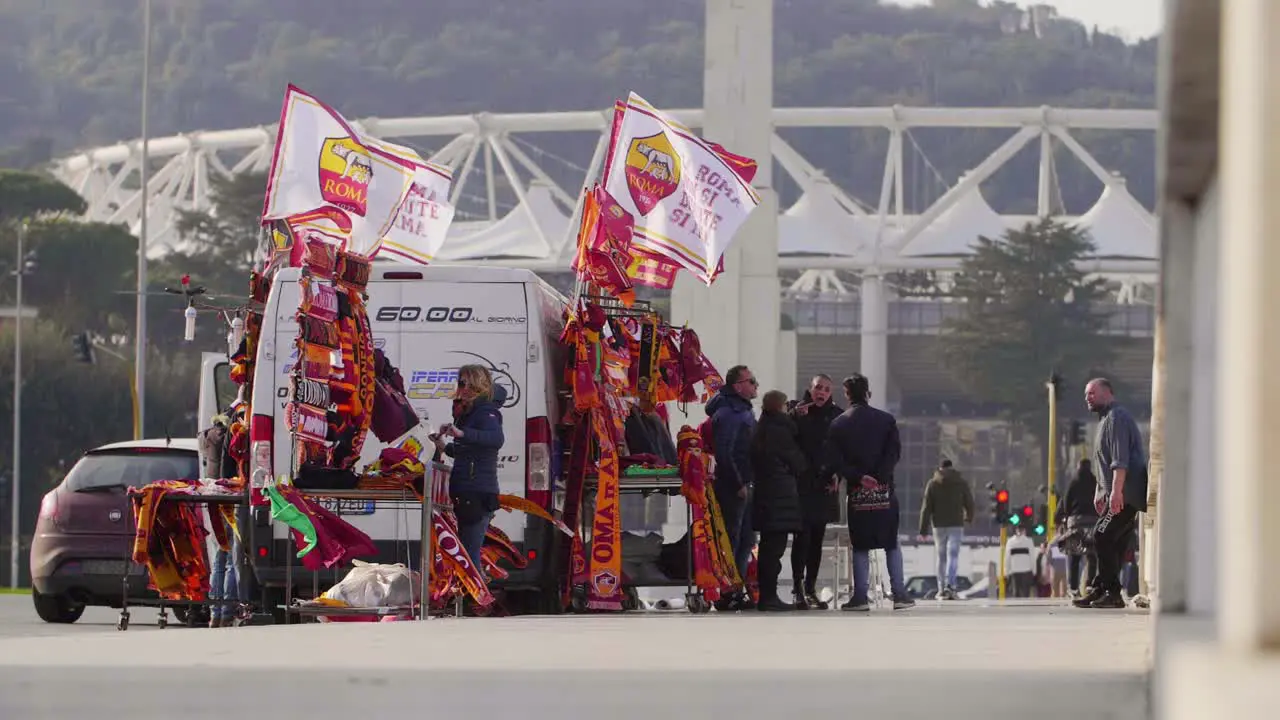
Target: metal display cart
pixel 646 485
pixel 184 610
pixel 403 498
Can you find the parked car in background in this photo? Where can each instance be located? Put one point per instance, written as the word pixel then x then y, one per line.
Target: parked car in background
pixel 84 535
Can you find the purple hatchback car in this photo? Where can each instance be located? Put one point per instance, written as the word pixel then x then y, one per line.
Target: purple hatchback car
pixel 84 536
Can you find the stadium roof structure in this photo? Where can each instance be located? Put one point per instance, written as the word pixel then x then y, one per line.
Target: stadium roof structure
pixel 824 231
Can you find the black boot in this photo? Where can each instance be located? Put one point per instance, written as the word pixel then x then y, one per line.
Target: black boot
pixel 774 604
pixel 801 602
pixel 811 599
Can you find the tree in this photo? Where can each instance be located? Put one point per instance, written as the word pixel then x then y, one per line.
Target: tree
pixel 25 195
pixel 1029 311
pixel 223 241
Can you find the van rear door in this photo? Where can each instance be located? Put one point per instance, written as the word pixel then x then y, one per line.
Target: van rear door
pixel 436 328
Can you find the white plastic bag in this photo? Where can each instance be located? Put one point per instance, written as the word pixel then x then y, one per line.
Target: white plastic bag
pixel 375 585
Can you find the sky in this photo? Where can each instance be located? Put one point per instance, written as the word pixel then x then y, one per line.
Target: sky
pixel 1134 18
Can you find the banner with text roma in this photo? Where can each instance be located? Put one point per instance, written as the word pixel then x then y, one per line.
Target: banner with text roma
pixel 688 200
pixel 321 160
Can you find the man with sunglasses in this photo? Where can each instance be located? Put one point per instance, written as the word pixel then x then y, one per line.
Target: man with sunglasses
pixel 732 422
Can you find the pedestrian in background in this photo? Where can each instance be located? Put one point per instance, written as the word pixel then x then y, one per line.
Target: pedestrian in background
pixel 1020 563
pixel 947 507
pixel 1079 517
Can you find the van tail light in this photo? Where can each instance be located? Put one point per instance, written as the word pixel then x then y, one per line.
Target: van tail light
pixel 261 435
pixel 537 454
pixel 49 508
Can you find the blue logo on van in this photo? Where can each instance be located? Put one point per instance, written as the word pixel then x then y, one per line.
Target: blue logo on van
pixel 441 384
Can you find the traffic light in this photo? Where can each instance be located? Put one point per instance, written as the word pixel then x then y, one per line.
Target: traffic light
pixel 82 347
pixel 1026 514
pixel 999 503
pixel 1076 434
pixel 1042 520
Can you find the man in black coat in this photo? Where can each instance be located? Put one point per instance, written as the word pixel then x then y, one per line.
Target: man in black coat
pixel 862 449
pixel 776 462
pixel 732 422
pixel 818 497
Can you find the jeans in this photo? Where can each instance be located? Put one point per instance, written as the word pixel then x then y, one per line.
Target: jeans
pixel 737 523
pixel 223 582
pixel 1080 570
pixel 472 537
pixel 862 573
pixel 1020 584
pixel 947 541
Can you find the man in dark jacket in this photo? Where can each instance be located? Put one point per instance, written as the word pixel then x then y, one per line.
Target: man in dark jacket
pixel 1121 462
pixel 776 462
pixel 862 449
pixel 1078 516
pixel 946 509
pixel 818 497
pixel 732 422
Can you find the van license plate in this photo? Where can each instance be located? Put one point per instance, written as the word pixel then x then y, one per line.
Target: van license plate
pixel 348 507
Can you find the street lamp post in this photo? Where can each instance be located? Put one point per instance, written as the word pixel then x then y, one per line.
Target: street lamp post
pixel 24 265
pixel 140 347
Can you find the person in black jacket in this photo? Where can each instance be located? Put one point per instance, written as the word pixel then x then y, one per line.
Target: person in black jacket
pixel 863 449
pixel 1079 516
pixel 818 498
pixel 776 462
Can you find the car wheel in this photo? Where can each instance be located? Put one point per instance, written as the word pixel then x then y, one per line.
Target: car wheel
pixel 57 609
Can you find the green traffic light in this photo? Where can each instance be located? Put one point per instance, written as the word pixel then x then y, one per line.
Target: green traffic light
pixel 1014 519
pixel 1039 529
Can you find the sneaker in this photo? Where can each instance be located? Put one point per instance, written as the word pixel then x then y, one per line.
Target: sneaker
pixel 215 622
pixel 812 601
pixel 856 605
pixel 903 603
pixel 1087 600
pixel 947 593
pixel 801 601
pixel 1109 601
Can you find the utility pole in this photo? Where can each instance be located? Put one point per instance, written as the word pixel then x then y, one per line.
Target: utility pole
pixel 1054 387
pixel 15 515
pixel 140 341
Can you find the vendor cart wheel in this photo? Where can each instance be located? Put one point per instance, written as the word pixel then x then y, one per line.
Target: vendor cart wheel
pixel 578 600
pixel 631 599
pixel 696 604
pixel 162 622
pixel 123 623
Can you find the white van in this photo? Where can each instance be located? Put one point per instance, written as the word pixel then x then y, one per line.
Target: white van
pixel 429 321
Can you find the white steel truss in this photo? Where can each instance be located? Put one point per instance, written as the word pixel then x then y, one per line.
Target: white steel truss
pixel 182 166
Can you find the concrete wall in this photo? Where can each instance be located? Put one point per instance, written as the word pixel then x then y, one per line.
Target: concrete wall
pixel 1201 546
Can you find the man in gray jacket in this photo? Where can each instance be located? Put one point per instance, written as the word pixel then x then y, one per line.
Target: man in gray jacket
pixel 947 508
pixel 1121 463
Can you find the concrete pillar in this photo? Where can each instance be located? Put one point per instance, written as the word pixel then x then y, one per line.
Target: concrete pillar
pixel 874 360
pixel 788 351
pixel 1236 677
pixel 737 318
pixel 1250 386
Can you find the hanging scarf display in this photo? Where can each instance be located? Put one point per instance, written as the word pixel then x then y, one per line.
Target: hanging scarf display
pixel 604 585
pixel 169 541
pixel 444 533
pixel 713 571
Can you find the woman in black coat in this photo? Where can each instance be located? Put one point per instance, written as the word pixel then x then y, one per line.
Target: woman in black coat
pixel 776 461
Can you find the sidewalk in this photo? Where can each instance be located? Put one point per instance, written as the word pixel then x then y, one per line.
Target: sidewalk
pixel 954 660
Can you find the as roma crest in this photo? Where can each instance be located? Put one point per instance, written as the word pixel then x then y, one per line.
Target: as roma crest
pixel 605 582
pixel 653 171
pixel 346 168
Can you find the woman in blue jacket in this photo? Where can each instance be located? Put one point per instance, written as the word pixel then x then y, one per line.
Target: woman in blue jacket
pixel 476 434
